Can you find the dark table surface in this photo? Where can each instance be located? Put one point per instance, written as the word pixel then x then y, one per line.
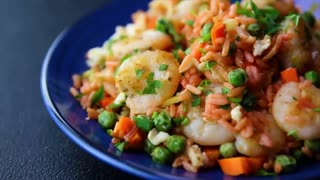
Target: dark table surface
pixel 31 145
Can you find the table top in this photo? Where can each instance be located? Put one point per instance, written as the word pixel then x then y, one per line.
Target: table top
pixel 31 145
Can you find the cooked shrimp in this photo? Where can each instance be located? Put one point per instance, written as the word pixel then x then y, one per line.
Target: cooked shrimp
pixel 204 132
pixel 185 7
pixel 149 39
pixel 296 51
pixel 255 145
pixel 132 85
pixel 293 110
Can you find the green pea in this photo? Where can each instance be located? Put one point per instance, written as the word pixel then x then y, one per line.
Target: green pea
pixel 309 18
pixel 228 150
pixel 288 163
pixel 161 155
pixel 143 122
pixel 163 122
pixel 253 29
pixel 107 119
pixel 148 146
pixel 237 77
pixel 176 143
pixel 313 76
pixel 313 145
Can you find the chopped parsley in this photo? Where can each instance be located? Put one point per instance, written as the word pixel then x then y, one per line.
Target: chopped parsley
pixel 152 85
pixel 185 121
pixel 294 17
pixel 167 27
pixel 202 51
pixel 176 55
pixel 294 98
pixel 204 84
pixel 79 96
pixel 234 100
pixel 266 18
pixel 316 109
pixel 196 100
pixel 120 145
pixel 139 73
pixel 190 22
pixel 294 134
pixel 225 90
pixel 187 51
pixel 225 107
pixel 206 32
pixel 98 96
pixel 125 57
pixel 136 51
pixel 209 65
pixel 163 67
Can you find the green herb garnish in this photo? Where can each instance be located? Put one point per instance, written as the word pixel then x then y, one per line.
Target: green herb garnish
pixel 294 17
pixel 163 67
pixel 152 85
pixel 190 22
pixel 266 18
pixel 293 133
pixel 185 121
pixel 225 107
pixel 124 58
pixel 206 32
pixel 187 51
pixel 167 27
pixel 225 90
pixel 209 65
pixel 120 145
pixel 79 96
pixel 204 84
pixel 234 100
pixel 316 109
pixel 97 96
pixel 139 73
pixel 196 100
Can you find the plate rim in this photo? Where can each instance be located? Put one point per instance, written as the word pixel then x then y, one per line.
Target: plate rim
pixel 74 135
pixel 67 129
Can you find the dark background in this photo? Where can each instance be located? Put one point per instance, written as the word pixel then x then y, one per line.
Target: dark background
pixel 31 145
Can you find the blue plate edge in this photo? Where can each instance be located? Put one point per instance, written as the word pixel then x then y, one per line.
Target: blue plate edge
pixel 65 127
pixel 76 137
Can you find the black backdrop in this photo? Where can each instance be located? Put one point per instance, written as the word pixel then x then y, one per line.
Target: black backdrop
pixel 31 145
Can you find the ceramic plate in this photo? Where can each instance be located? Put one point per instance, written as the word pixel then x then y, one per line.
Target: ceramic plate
pixel 66 57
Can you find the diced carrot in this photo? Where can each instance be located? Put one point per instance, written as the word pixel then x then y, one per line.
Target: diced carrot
pixel 235 166
pixel 212 153
pixel 106 101
pixel 289 75
pixel 255 163
pixel 136 141
pixel 122 127
pixel 151 22
pixel 175 1
pixel 195 52
pixel 218 31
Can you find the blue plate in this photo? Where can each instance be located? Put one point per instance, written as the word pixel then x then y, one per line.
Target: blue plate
pixel 66 57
